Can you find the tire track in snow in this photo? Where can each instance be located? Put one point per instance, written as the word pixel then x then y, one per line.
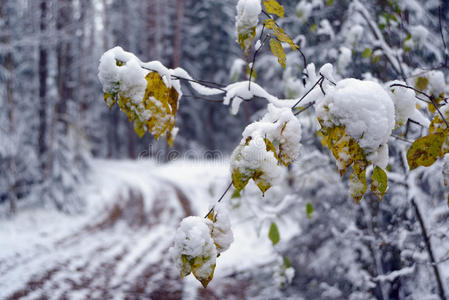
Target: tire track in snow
pixel 66 267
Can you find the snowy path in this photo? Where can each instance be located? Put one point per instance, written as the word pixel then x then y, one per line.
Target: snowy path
pixel 118 248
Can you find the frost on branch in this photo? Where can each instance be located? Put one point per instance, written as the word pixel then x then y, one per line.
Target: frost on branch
pixel 404 103
pixel 357 118
pixel 149 98
pixel 246 21
pixel 266 144
pixel 198 243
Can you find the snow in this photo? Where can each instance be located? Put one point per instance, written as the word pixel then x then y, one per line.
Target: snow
pixel 326 29
pixel 129 78
pixel 236 69
pixel 221 228
pixel 38 240
pixel 281 128
pixel 203 90
pixel 193 239
pixel 247 15
pixel 404 102
pixel 366 111
pixel 303 10
pixel 419 34
pixel 243 90
pixel 353 36
pixel 327 71
pixel 436 82
pixel 344 59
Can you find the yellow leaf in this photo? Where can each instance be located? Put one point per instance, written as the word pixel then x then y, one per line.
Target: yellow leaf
pixel 186 267
pixel 279 33
pixel 139 128
pixel 273 7
pixel 426 150
pixel 260 182
pixel 245 39
pixel 357 180
pixel 278 51
pixel 239 180
pixel 198 272
pixel 109 99
pixel 162 103
pixel 379 182
pixel 421 83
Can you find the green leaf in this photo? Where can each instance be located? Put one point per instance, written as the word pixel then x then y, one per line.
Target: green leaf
pixel 273 234
pixel 425 150
pixel 287 262
pixel 273 7
pixel 329 2
pixel 379 182
pixel 278 51
pixel 309 210
pixel 367 52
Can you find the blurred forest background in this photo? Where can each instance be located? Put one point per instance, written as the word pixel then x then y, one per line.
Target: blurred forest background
pixel 54 123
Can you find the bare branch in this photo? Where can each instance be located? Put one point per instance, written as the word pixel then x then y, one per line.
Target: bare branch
pixel 219 200
pixel 302 98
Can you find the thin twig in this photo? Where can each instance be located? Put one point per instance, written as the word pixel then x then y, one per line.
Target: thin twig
pixel 412 88
pixel 429 249
pixel 297 49
pixel 302 98
pixel 310 104
pixel 401 139
pixel 219 200
pixel 203 98
pixel 254 57
pixel 439 111
pixel 199 81
pixel 442 38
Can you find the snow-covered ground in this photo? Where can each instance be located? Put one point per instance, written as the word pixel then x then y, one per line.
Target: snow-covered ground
pixel 118 247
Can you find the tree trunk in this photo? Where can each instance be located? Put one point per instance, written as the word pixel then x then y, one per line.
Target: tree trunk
pixel 43 73
pixel 177 37
pixel 64 60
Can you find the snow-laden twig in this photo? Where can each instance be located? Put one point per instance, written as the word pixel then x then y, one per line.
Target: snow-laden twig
pixel 395 274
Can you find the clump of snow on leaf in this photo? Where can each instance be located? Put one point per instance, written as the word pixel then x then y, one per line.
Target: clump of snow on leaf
pixel 246 21
pixel 283 274
pixel 404 102
pixel 198 242
pixel 194 249
pixel 221 228
pixel 265 145
pixel 248 13
pixel 121 70
pixel 436 82
pixel 366 111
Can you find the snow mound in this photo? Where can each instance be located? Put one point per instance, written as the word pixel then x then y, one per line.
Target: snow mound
pixel 366 111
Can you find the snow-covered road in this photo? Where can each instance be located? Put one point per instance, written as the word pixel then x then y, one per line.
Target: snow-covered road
pixel 118 247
